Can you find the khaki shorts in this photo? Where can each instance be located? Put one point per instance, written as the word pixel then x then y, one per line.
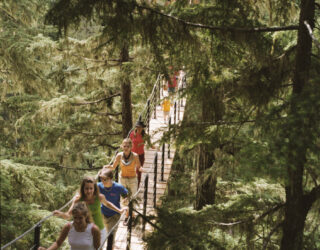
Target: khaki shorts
pixel 130 183
pixel 109 222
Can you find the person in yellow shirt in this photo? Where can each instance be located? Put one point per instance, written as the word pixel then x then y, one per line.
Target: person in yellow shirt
pixel 166 105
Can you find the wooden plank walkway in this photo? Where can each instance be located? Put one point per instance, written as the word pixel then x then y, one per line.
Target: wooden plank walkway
pixel 157 128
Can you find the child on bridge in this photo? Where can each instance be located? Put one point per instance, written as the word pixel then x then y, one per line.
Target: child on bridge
pixel 89 193
pixel 81 232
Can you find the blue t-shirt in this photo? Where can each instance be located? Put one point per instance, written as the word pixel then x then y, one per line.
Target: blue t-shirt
pixel 112 194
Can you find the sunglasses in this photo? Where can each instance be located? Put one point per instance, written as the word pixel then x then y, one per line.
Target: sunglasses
pixel 104 178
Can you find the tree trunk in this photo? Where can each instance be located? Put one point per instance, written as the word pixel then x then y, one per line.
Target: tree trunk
pixel 206 185
pixel 296 209
pixel 125 95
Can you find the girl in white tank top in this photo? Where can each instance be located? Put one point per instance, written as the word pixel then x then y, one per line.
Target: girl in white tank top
pixel 81 233
pixel 81 240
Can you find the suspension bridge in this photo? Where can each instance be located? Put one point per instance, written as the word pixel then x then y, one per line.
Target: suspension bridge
pixel 153 184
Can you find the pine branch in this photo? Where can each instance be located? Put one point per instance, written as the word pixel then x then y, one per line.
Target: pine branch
pixel 115 121
pixel 99 60
pixel 312 196
pixel 85 169
pixel 315 56
pixel 267 239
pixel 105 43
pixel 92 134
pixel 221 122
pixel 10 15
pixel 219 28
pixel 317 43
pixel 106 113
pixel 313 175
pixel 103 145
pixel 97 101
pixel 272 210
pixel 288 51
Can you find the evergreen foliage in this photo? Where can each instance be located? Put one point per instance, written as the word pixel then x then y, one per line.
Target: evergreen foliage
pixel 245 122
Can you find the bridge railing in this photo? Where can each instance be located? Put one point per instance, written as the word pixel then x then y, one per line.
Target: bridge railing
pixel 145 116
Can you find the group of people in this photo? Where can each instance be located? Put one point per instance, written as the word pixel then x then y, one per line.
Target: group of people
pixel 177 81
pixel 96 209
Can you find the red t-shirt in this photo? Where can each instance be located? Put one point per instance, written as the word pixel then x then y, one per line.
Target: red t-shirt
pixel 137 143
pixel 173 81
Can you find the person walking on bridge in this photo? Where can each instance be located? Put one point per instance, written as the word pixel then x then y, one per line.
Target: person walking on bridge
pixel 138 137
pixel 112 192
pixel 129 163
pixel 89 193
pixel 81 232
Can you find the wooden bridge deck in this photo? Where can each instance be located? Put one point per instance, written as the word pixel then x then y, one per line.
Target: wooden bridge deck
pixel 157 128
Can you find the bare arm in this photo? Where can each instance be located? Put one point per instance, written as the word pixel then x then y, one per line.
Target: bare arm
pixel 67 215
pixel 137 163
pixel 96 236
pixel 115 163
pixel 108 204
pixel 63 235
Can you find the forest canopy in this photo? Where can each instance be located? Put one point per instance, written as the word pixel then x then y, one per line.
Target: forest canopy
pixel 74 75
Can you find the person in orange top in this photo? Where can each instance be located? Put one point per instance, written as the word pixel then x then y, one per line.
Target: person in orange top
pixel 129 163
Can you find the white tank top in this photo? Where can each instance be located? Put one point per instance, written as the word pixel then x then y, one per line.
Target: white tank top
pixel 81 240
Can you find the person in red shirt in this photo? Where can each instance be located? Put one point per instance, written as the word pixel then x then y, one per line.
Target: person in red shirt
pixel 172 83
pixel 138 137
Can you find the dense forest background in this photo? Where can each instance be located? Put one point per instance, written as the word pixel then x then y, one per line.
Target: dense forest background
pixel 74 75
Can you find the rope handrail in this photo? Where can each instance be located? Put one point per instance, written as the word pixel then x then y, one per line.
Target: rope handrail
pixel 34 226
pixel 153 92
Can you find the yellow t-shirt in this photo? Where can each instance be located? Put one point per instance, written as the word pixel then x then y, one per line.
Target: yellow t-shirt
pixel 166 105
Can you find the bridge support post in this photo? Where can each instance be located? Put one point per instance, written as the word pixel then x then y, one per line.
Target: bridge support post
pixel 178 110
pixel 169 138
pixel 117 174
pixel 155 180
pixel 37 237
pixel 162 161
pixel 148 115
pixel 129 226
pixel 175 113
pixel 145 202
pixel 155 105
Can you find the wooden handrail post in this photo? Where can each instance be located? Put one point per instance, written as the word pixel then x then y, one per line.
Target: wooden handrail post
pixel 179 110
pixel 116 174
pixel 159 87
pixel 148 115
pixel 175 113
pixel 162 161
pixel 37 237
pixel 145 201
pixel 129 226
pixel 155 105
pixel 169 138
pixel 155 180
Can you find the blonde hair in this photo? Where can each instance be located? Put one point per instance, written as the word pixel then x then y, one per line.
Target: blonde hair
pixel 81 207
pixel 126 140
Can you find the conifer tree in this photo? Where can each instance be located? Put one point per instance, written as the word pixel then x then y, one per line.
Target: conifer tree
pixel 298 201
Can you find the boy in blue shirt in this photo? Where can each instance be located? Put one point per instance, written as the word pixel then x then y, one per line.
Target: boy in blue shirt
pixel 113 192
